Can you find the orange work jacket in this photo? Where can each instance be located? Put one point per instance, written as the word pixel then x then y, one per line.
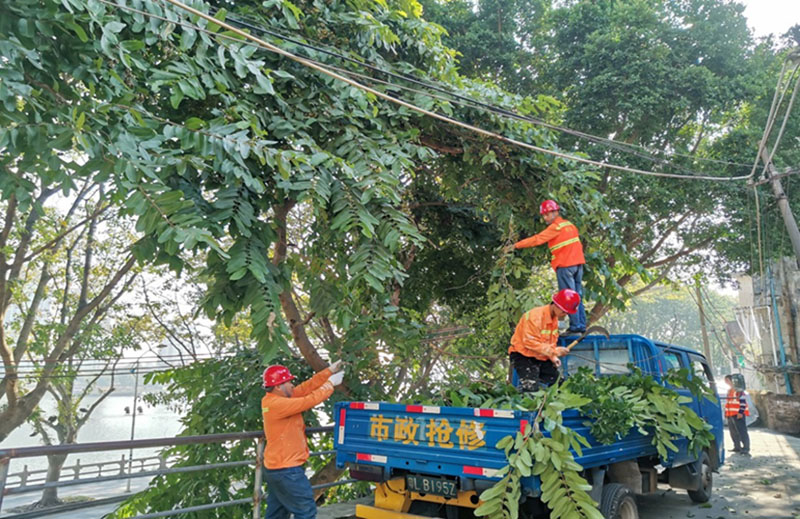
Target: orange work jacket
pixel 562 238
pixel 284 427
pixel 536 334
pixel 736 403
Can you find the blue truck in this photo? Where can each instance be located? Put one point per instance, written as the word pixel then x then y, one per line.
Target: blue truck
pixel 432 461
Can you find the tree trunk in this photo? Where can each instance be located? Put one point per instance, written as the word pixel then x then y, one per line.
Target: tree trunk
pixel 55 463
pixel 289 307
pixel 327 474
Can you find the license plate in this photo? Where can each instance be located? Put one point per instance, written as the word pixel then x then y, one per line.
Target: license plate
pixel 429 485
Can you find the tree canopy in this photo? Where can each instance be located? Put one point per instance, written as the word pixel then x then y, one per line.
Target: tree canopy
pixel 343 225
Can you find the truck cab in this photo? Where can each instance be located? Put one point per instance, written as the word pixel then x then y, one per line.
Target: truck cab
pixel 434 461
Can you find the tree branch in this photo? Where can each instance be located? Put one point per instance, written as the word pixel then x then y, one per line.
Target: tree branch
pixel 288 304
pixel 679 254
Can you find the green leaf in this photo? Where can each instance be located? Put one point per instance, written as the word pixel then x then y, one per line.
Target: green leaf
pixel 175 98
pixel 78 31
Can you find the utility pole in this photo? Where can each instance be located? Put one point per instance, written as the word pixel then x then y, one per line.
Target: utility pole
pixel 783 204
pixel 706 347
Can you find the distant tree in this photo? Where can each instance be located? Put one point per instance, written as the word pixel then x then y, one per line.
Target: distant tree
pixel 58 281
pixel 670 314
pixel 76 382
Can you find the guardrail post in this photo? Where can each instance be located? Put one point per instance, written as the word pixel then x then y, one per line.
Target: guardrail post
pixel 162 462
pixel 122 465
pixel 23 477
pixel 4 463
pixel 77 469
pixel 257 489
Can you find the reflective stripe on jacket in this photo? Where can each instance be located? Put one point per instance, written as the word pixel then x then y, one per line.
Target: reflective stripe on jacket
pixel 284 427
pixel 562 238
pixel 536 334
pixel 736 403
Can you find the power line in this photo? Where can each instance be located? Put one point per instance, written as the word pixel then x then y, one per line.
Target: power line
pixel 621 146
pixel 411 106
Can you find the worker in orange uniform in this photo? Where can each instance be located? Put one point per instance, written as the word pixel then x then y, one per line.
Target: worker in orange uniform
pixel 735 411
pixel 533 351
pixel 568 261
pixel 289 491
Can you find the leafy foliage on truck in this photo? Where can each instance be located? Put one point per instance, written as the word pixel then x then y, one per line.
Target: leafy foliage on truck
pixel 615 405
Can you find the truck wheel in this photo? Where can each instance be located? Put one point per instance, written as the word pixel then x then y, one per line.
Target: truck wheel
pixel 617 502
pixel 703 494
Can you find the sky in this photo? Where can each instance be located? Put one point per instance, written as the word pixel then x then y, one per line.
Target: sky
pixel 771 16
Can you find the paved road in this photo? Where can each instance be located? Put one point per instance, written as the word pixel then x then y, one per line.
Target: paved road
pixel 764 486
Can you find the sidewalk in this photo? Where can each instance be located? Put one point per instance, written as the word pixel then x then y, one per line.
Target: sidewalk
pixel 764 486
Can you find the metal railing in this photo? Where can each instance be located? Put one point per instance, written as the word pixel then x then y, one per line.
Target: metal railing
pixel 6 455
pixel 82 471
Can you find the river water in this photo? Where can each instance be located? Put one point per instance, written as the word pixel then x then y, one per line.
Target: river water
pixel 108 422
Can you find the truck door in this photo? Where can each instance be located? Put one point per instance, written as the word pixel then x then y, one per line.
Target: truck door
pixel 709 410
pixel 679 359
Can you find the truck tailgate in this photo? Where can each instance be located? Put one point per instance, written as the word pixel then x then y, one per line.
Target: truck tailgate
pixel 453 441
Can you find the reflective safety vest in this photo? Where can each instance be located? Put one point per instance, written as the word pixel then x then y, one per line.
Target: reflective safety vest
pixel 736 403
pixel 562 238
pixel 536 334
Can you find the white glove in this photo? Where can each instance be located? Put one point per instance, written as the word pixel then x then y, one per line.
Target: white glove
pixel 336 378
pixel 336 367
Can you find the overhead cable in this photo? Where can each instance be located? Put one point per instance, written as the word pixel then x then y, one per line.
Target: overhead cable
pixel 620 146
pixel 382 95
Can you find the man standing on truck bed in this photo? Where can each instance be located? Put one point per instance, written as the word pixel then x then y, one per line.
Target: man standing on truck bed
pixel 289 491
pixel 562 238
pixel 533 351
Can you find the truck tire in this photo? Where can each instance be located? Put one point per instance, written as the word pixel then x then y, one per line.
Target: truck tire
pixel 618 502
pixel 703 494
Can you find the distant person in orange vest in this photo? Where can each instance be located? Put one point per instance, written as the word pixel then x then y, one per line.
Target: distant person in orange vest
pixel 561 236
pixel 533 353
pixel 735 411
pixel 289 491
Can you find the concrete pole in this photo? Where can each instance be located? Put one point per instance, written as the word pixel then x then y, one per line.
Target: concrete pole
pixel 783 204
pixel 706 347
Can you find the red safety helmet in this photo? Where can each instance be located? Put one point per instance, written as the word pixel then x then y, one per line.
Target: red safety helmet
pixel 548 206
pixel 567 300
pixel 276 375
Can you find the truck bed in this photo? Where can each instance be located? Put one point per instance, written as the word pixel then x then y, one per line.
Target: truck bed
pixel 452 441
pixel 459 442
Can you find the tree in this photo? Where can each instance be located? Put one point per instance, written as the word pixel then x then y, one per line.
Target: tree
pixel 53 294
pixel 70 387
pixel 296 192
pixel 668 82
pixel 670 314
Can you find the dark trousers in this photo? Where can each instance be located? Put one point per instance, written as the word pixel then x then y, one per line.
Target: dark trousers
pixel 533 372
pixel 739 434
pixel 572 278
pixel 289 492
